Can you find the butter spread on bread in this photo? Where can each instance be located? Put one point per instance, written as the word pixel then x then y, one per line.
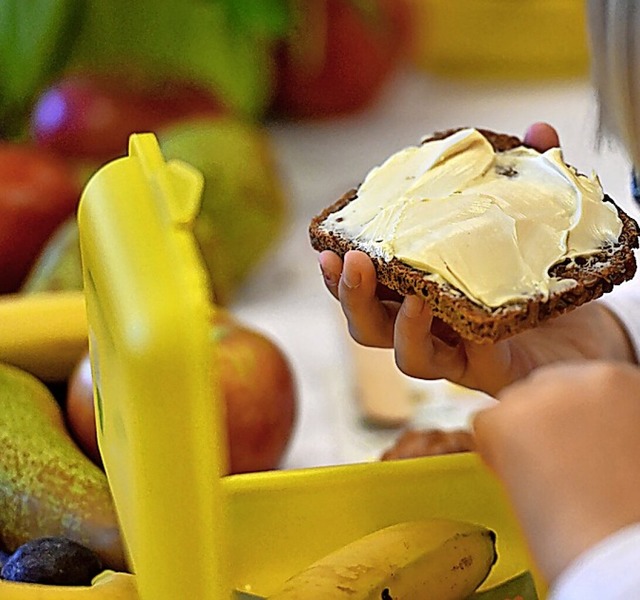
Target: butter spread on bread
pixel 490 223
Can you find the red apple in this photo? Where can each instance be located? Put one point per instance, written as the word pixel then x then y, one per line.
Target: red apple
pixel 340 55
pixel 79 409
pixel 259 392
pixel 38 191
pixel 258 389
pixel 91 116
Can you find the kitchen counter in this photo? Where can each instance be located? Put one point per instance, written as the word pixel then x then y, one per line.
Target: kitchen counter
pixel 319 161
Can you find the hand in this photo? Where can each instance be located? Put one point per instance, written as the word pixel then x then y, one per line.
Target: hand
pixel 565 443
pixel 428 349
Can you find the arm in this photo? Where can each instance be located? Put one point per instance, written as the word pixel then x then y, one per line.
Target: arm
pixel 565 443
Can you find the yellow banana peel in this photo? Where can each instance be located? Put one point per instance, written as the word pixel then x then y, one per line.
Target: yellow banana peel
pixel 43 333
pixel 436 558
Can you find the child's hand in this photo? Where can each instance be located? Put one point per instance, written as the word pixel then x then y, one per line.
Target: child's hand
pixel 427 348
pixel 565 443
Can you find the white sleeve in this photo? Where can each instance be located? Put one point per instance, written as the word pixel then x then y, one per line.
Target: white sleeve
pixel 607 570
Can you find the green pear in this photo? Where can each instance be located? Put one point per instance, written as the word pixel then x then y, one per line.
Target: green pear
pixel 48 487
pixel 58 267
pixel 243 205
pixel 243 212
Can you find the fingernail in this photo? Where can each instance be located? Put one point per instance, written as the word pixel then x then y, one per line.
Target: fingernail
pixel 329 276
pixel 351 280
pixel 412 306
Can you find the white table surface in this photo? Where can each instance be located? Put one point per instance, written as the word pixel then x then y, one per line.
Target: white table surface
pixel 319 161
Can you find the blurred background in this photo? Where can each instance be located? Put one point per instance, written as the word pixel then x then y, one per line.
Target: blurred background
pixel 284 105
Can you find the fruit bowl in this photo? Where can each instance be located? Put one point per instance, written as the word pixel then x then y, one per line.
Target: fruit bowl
pixel 191 532
pixel 489 39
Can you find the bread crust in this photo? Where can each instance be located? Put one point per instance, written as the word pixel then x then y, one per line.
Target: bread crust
pixel 595 275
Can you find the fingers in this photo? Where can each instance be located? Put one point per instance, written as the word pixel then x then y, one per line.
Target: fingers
pixel 424 347
pixel 527 410
pixel 370 320
pixel 419 353
pixel 541 136
pixel 354 283
pixel 331 268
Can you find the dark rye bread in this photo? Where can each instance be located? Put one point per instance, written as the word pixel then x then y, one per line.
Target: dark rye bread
pixel 595 275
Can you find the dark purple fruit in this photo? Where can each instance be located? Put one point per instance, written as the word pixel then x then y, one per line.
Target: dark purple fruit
pixel 52 561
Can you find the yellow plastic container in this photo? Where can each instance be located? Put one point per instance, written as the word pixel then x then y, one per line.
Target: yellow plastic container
pixel 148 312
pixel 507 39
pixel 190 532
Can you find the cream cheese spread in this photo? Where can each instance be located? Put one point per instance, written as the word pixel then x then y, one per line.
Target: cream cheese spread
pixel 491 224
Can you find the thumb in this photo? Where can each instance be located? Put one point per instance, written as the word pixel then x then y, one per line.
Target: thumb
pixel 541 137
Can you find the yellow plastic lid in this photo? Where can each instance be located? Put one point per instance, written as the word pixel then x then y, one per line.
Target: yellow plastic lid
pixel 149 311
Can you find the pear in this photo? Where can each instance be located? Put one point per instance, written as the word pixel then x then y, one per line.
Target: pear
pixel 48 487
pixel 58 267
pixel 242 216
pixel 243 212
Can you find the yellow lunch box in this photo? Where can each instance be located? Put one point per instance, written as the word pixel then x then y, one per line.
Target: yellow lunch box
pixel 191 532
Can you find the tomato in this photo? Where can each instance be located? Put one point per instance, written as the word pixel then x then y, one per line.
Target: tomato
pixel 91 116
pixel 340 56
pixel 38 191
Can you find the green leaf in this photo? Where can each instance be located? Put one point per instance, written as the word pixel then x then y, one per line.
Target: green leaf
pixel 225 44
pixel 192 39
pixel 239 595
pixel 36 37
pixel 270 19
pixel 520 587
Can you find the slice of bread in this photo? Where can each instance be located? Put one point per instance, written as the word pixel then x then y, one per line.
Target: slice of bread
pixel 595 274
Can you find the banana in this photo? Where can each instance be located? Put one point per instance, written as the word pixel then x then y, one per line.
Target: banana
pixel 44 333
pixel 109 585
pixel 435 559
